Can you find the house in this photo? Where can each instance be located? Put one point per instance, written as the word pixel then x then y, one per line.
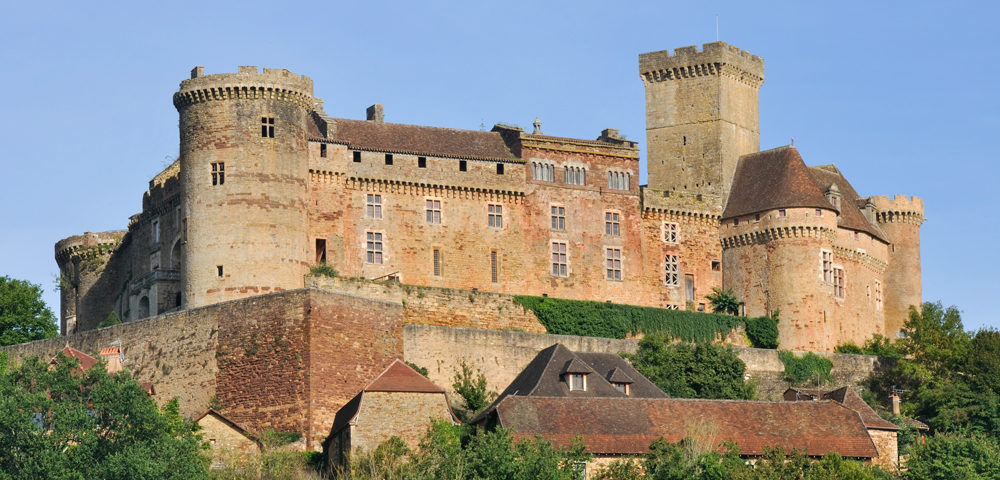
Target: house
pixel 399 402
pixel 230 442
pixel 883 432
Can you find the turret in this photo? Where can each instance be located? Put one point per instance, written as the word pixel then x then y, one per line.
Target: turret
pixel 900 218
pixel 83 284
pixel 244 176
pixel 701 116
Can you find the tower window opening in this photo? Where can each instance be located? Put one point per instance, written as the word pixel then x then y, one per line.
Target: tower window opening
pixel 685 141
pixel 432 208
pixel 463 166
pixel 357 156
pixel 267 127
pixel 421 162
pixel 218 269
pixel 320 250
pixel 499 169
pixel 218 173
pixel 494 267
pixel 322 150
pixel 437 262
pixel 388 159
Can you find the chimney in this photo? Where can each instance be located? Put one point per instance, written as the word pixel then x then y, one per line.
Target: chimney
pixel 894 403
pixel 374 113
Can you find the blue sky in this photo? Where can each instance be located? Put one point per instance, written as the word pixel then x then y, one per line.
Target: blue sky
pixel 900 95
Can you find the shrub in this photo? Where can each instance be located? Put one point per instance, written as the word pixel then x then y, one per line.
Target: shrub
pixel 323 269
pixel 849 348
pixel 471 386
pixel 421 370
pixel 762 332
pixel 809 367
pixel 111 319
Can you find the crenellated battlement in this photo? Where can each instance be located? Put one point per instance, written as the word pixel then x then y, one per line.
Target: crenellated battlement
pixel 87 245
pixel 899 208
pixel 246 83
pixel 717 58
pixel 779 233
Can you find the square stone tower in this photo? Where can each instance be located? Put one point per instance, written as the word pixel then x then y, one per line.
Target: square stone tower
pixel 701 116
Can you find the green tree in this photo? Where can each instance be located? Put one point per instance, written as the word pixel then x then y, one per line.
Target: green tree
pixel 935 338
pixel 23 314
pixel 954 457
pixel 723 301
pixel 684 370
pixel 111 319
pixel 471 386
pixel 60 423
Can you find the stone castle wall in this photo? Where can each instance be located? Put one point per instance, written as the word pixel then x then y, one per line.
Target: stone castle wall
pixel 501 355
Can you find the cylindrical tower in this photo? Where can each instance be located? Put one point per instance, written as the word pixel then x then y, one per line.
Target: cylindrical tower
pixel 900 218
pixel 84 296
pixel 244 177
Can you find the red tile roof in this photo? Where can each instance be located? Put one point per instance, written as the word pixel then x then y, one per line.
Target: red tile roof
pixel 418 140
pixel 772 179
pixel 399 377
pixel 846 397
pixel 86 361
pixel 626 426
pixel 850 202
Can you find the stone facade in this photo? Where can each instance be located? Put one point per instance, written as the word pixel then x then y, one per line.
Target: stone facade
pixel 230 443
pixel 267 184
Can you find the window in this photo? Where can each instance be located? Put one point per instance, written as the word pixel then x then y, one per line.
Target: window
pixel 827 266
pixel 611 223
pixel 156 231
pixel 672 270
pixel 433 209
pixel 543 171
pixel 716 265
pixel 267 127
pixel 494 267
pixel 437 262
pixel 878 295
pixel 388 159
pixel 559 259
pixel 463 166
pixel 756 217
pixel 357 157
pixel 621 387
pixel 689 287
pixel 701 307
pixel 619 180
pixel 819 212
pixel 320 250
pixel 322 150
pixel 218 173
pixel 499 169
pixel 218 270
pixel 373 248
pixel 574 176
pixel 576 381
pixel 672 306
pixel 373 205
pixel 558 218
pixel 421 162
pixel 494 215
pixel 736 222
pixel 613 258
pixel 782 212
pixel 838 282
pixel 669 232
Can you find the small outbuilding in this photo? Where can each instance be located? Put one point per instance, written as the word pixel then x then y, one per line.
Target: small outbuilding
pixel 230 442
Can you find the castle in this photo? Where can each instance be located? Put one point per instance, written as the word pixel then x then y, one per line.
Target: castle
pixel 267 185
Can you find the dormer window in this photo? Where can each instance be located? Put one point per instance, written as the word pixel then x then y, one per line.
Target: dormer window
pixel 577 381
pixel 621 387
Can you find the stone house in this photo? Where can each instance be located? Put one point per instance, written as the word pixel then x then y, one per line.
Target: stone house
pixel 230 443
pixel 400 402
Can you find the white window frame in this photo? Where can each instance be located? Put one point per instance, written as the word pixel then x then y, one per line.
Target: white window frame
pixel 574 175
pixel 839 282
pixel 559 258
pixel 571 381
pixel 494 215
pixel 543 171
pixel 826 266
pixel 433 211
pixel 373 205
pixel 619 180
pixel 613 264
pixel 612 223
pixel 557 215
pixel 671 232
pixel 374 248
pixel 671 270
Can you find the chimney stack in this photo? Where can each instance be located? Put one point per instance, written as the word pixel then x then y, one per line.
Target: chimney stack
pixel 374 113
pixel 894 403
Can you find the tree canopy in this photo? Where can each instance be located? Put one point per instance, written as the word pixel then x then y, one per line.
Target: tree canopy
pixel 684 370
pixel 62 423
pixel 23 314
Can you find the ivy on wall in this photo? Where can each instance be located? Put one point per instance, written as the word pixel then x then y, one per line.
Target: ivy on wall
pixel 613 320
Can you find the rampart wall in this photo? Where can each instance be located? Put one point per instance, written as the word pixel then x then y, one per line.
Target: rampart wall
pixel 501 355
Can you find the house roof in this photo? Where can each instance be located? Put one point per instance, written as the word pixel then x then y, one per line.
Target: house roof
pixel 397 377
pixel 222 418
pixel 417 139
pixel 846 397
pixel 771 179
pixel 85 361
pixel 778 178
pixel 543 376
pixel 627 426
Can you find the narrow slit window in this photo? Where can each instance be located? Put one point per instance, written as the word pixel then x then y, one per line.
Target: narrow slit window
pixel 494 267
pixel 437 262
pixel 218 270
pixel 320 250
pixel 322 150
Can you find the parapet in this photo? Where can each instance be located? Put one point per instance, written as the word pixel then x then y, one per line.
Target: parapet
pixel 899 208
pixel 715 58
pixel 87 244
pixel 247 83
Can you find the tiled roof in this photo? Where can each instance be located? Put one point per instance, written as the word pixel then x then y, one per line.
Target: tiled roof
pixel 346 414
pixel 399 377
pixel 850 203
pixel 543 377
pixel 418 140
pixel 772 179
pixel 575 365
pixel 618 376
pixel 846 397
pixel 86 361
pixel 222 418
pixel 627 426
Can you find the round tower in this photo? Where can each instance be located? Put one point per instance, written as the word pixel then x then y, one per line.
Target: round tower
pixel 900 218
pixel 82 261
pixel 244 177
